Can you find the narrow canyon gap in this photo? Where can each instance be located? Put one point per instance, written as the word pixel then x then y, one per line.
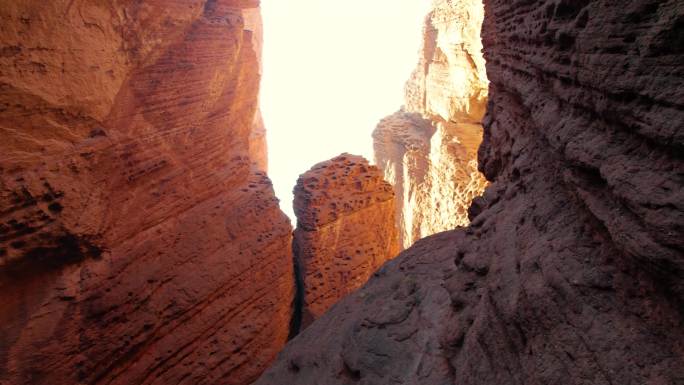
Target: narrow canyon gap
pixel 428 150
pixel 571 270
pixel 141 241
pixel 332 70
pixel 343 80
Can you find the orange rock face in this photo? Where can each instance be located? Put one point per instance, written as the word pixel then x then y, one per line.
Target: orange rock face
pixel 345 229
pixel 428 150
pixel 139 242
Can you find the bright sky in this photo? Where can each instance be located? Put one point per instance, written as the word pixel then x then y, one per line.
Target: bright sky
pixel 332 70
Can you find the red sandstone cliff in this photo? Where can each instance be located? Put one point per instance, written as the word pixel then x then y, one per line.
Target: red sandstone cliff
pixel 428 150
pixel 345 230
pixel 138 243
pixel 571 271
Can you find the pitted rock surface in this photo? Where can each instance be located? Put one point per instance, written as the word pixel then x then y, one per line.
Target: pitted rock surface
pixel 345 230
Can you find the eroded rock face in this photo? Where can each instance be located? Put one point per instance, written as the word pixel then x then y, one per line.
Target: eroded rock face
pixel 345 230
pixel 428 150
pixel 138 241
pixel 571 271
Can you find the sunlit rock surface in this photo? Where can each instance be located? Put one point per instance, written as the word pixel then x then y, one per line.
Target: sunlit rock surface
pixel 345 230
pixel 428 150
pixel 571 271
pixel 138 241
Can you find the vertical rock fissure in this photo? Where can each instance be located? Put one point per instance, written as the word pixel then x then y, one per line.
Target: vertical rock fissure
pixel 298 301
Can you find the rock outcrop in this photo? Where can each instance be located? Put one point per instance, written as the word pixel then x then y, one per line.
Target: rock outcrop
pixel 139 243
pixel 428 150
pixel 345 230
pixel 572 269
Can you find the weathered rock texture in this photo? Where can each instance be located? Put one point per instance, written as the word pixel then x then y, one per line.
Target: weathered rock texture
pixel 428 150
pixel 345 230
pixel 138 243
pixel 571 271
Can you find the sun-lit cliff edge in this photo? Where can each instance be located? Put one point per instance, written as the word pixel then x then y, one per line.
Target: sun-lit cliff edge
pixel 428 149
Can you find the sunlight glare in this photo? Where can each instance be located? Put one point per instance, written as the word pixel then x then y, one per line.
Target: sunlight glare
pixel 331 70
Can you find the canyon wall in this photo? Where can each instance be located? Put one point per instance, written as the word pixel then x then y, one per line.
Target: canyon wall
pixel 572 268
pixel 345 230
pixel 428 149
pixel 139 240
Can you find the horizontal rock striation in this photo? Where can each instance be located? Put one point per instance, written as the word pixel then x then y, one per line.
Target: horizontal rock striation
pixel 571 271
pixel 345 230
pixel 428 149
pixel 139 242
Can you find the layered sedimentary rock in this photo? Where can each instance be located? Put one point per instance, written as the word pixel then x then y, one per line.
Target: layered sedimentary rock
pixel 138 241
pixel 345 230
pixel 428 150
pixel 571 271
